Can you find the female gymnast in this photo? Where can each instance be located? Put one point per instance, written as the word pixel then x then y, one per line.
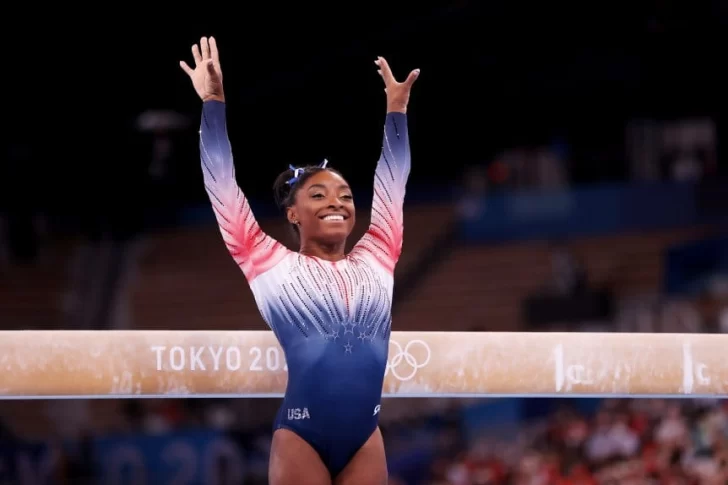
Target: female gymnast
pixel 330 311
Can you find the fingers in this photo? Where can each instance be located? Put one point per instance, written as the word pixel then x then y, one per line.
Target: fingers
pixel 213 51
pixel 205 48
pixel 196 54
pixel 205 51
pixel 187 69
pixel 384 69
pixel 412 77
pixel 386 73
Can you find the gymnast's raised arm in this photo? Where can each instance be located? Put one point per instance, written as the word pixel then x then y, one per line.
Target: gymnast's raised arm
pixel 254 251
pixel 384 237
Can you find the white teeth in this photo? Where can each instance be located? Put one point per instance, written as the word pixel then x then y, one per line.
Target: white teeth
pixel 334 218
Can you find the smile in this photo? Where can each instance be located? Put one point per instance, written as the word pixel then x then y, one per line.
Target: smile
pixel 334 217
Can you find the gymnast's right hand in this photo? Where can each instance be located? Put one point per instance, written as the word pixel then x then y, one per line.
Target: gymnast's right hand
pixel 206 76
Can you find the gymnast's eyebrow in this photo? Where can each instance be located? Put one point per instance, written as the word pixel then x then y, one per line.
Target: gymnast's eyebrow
pixel 322 186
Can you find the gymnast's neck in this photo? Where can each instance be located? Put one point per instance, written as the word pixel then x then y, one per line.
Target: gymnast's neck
pixel 328 252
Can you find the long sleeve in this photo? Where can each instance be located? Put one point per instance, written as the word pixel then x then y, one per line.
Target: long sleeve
pixel 383 239
pixel 252 249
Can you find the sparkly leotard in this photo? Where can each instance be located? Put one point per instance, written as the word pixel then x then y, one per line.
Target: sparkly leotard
pixel 332 319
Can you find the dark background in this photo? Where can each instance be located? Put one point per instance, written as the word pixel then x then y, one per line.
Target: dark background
pixel 301 85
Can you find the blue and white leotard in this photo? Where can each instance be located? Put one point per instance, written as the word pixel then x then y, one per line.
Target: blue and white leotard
pixel 332 319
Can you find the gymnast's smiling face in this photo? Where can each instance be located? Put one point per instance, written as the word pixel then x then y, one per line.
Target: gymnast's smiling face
pixel 324 208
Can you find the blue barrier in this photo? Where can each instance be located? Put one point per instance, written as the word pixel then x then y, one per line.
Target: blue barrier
pixel 692 267
pixel 182 457
pixel 588 211
pixel 510 414
pixel 25 463
pixel 190 457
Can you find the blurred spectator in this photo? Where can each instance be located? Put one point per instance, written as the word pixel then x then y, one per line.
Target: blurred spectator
pixel 569 275
pixel 680 150
pixel 633 442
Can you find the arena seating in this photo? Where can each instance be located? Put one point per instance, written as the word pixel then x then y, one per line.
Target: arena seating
pixel 481 287
pixel 31 295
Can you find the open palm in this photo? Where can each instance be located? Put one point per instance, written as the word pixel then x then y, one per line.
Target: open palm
pixel 398 93
pixel 206 76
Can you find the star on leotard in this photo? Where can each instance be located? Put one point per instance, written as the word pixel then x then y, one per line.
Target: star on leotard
pixel 348 347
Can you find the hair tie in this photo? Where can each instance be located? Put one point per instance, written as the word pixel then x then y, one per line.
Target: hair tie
pixel 296 173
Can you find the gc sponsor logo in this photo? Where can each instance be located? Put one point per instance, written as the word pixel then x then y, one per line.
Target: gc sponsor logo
pixel 404 362
pixel 567 375
pixel 694 372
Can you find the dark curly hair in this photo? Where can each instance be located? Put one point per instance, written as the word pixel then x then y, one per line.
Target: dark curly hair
pixel 285 193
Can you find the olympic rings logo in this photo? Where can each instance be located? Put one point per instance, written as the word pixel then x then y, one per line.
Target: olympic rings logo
pixel 403 354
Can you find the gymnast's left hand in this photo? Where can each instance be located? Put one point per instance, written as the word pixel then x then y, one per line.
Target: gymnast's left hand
pixel 398 93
